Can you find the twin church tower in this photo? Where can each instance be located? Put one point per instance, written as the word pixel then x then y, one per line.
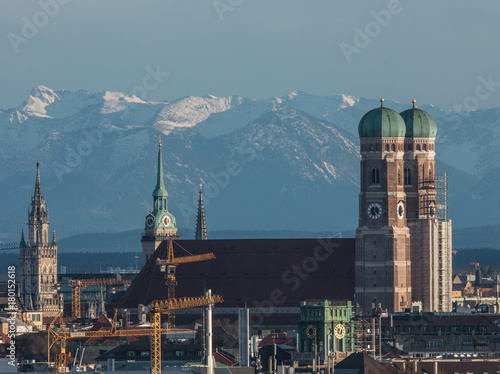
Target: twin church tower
pixel 403 242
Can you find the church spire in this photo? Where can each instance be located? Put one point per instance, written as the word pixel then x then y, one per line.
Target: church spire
pixel 160 190
pixel 22 237
pixel 201 226
pixel 38 187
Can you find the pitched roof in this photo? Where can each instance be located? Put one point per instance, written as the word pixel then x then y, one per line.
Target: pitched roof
pixel 252 271
pixel 359 363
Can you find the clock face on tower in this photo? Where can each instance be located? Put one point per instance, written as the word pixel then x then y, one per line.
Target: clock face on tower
pixel 166 220
pixel 311 331
pixel 401 210
pixel 374 210
pixel 339 331
pixel 150 221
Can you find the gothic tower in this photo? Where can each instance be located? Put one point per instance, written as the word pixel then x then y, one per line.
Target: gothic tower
pixel 201 226
pixel 38 258
pixel 383 268
pixel 160 223
pixel 430 228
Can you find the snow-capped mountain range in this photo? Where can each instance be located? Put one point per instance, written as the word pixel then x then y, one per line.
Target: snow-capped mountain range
pixel 287 162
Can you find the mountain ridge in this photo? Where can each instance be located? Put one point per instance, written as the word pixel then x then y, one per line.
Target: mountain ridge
pixel 294 160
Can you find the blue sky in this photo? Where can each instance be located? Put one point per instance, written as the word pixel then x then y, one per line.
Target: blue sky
pixel 434 51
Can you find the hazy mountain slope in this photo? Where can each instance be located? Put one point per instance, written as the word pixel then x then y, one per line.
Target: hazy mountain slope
pixel 289 162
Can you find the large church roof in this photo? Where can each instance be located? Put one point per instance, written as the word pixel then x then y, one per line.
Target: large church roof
pixel 249 271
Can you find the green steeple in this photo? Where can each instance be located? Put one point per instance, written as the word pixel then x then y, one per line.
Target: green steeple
pixel 160 190
pixel 160 217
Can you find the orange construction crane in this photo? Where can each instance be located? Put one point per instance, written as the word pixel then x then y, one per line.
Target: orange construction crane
pixel 78 284
pixel 169 265
pixel 156 308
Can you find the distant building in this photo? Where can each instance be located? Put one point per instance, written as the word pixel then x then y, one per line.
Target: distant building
pixel 424 335
pixel 38 258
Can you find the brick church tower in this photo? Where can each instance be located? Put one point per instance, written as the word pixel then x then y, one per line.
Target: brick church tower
pixel 427 217
pixel 383 267
pixel 403 242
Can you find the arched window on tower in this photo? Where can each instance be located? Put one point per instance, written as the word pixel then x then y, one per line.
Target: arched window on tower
pixel 424 147
pixel 399 175
pixel 371 147
pixel 387 147
pixel 393 148
pixel 407 175
pixel 418 147
pixel 375 175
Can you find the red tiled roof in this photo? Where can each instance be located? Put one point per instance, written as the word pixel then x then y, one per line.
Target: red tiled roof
pixel 280 339
pixel 103 323
pixel 252 270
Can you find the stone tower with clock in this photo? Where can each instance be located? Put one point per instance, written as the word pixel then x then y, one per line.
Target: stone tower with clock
pixel 383 266
pixel 160 223
pixel 38 258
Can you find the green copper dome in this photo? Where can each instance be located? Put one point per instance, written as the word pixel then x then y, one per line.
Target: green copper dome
pixel 381 122
pixel 419 123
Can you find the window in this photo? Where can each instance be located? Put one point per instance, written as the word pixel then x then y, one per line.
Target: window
pixel 375 175
pixel 418 147
pixel 387 147
pixel 468 328
pixel 371 147
pixel 424 147
pixel 393 148
pixel 407 175
pixel 399 175
pixel 439 329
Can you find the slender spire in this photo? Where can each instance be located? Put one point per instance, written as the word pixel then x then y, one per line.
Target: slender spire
pixel 381 102
pixel 38 187
pixel 201 226
pixel 160 190
pixel 22 237
pixel 413 102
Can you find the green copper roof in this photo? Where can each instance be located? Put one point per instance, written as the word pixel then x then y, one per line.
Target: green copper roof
pixel 381 122
pixel 160 190
pixel 419 123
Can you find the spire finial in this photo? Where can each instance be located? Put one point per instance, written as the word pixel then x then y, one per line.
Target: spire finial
pixel 381 102
pixel 413 102
pixel 159 141
pixel 22 236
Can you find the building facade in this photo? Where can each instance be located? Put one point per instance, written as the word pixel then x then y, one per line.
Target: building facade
pixel 403 241
pixel 160 223
pixel 38 258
